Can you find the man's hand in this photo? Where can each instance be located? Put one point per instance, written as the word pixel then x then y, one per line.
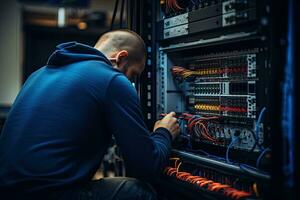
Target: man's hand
pixel 169 122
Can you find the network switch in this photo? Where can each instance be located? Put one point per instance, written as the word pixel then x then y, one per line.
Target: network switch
pixel 207 10
pixel 208 24
pixel 208 16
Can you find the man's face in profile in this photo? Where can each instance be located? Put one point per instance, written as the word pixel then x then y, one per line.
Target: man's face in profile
pixel 134 70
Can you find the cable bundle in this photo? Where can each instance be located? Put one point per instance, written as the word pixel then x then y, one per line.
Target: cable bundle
pixel 172 5
pixel 208 107
pixel 199 126
pixel 233 109
pixel 180 71
pixel 186 73
pixel 211 185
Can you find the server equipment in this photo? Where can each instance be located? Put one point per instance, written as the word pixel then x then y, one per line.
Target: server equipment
pixel 216 64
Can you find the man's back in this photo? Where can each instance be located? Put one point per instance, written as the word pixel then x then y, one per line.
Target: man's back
pixel 55 134
pixel 62 122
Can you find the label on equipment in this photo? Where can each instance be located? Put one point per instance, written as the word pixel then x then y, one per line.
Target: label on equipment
pixel 176 31
pixel 176 21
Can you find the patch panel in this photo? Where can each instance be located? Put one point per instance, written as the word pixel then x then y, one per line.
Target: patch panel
pixel 219 66
pixel 226 67
pixel 230 106
pixel 221 88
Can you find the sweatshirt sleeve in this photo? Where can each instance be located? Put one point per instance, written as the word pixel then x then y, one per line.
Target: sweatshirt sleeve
pixel 145 154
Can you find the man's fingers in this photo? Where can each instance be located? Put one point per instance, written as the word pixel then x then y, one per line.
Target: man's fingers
pixel 173 114
pixel 175 121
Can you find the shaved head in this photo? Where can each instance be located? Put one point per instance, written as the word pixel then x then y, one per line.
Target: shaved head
pixel 114 41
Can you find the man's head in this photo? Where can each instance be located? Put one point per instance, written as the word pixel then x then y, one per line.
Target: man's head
pixel 125 49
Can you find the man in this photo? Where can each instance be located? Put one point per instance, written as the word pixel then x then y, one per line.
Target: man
pixel 62 121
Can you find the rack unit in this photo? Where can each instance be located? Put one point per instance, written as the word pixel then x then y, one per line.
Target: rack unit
pixel 218 65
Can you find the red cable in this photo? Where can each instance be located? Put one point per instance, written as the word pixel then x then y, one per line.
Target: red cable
pixel 211 185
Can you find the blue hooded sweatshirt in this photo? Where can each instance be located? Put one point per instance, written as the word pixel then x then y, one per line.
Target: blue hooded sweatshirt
pixel 63 119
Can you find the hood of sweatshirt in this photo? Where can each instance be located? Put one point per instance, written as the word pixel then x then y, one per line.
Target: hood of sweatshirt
pixel 70 52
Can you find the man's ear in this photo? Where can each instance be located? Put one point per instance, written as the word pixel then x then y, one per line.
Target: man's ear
pixel 121 55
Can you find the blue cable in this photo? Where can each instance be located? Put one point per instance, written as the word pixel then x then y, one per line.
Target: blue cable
pixel 245 166
pixel 258 122
pixel 261 156
pixel 233 140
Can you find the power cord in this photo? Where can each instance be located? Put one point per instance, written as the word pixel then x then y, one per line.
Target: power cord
pixel 261 155
pixel 114 15
pixel 121 14
pixel 234 139
pixel 261 114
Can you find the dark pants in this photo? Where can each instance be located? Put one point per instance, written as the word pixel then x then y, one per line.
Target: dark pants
pixel 117 188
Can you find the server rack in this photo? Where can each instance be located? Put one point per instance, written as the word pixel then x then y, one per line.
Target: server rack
pixel 246 32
